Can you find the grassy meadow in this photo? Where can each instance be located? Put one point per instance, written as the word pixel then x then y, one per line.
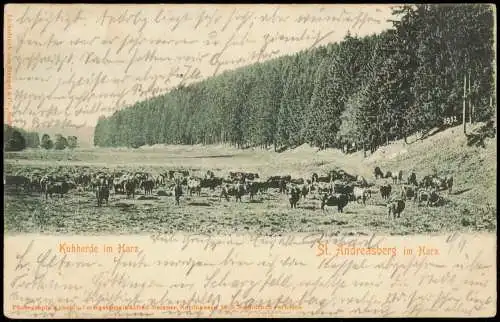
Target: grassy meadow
pixel 470 207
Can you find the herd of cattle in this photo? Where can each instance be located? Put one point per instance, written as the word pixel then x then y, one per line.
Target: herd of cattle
pixel 337 188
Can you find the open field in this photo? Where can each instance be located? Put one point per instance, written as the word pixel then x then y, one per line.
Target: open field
pixel 470 207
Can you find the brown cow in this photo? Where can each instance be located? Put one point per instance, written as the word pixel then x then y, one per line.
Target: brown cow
pixel 395 207
pixel 385 191
pixel 337 199
pixel 294 196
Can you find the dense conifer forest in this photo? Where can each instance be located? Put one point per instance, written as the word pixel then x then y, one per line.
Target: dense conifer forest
pixel 364 90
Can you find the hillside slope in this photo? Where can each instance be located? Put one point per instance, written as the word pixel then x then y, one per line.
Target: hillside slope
pixel 473 168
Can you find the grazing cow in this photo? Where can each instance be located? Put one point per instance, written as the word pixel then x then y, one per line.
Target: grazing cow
pixel 34 184
pixel 341 174
pixel 297 181
pixel 437 183
pixel 178 175
pixel 324 187
pixel 88 182
pixel 100 178
pixel 361 194
pixel 194 186
pixel 118 184
pixel 294 196
pixel 430 197
pixel 251 176
pixel 227 180
pixel 263 186
pixel 148 186
pixel 159 181
pixel 177 192
pixel 237 190
pixel 59 188
pixel 253 188
pixel 209 175
pixel 93 184
pixel 276 182
pixel 395 207
pixel 434 198
pixel 335 175
pixel 426 182
pixel 225 192
pixel 102 194
pixel 117 174
pixel 44 181
pixel 343 188
pixel 129 187
pixel 304 191
pixel 449 183
pixel 423 195
pixel 83 180
pixel 394 177
pixel 109 182
pixel 361 182
pixel 71 184
pixel 337 199
pixel 412 179
pixel 400 176
pixel 378 173
pixel 235 175
pixel 385 191
pixel 324 179
pixel 140 176
pixel 211 182
pixel 17 181
pixel 443 183
pixel 33 181
pixel 282 186
pixel 408 193
pixel 243 176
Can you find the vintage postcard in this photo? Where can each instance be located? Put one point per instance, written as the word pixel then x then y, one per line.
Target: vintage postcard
pixel 249 160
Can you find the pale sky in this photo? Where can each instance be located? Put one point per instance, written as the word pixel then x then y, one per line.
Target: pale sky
pixel 69 64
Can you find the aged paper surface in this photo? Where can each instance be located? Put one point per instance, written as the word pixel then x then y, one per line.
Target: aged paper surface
pixel 119 203
pixel 245 276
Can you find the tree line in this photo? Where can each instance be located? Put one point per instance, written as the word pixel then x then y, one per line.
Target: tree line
pixel 16 139
pixel 363 90
pixel 59 143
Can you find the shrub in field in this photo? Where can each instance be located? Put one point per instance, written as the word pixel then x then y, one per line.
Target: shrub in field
pixel 16 142
pixel 46 142
pixel 61 142
pixel 72 142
